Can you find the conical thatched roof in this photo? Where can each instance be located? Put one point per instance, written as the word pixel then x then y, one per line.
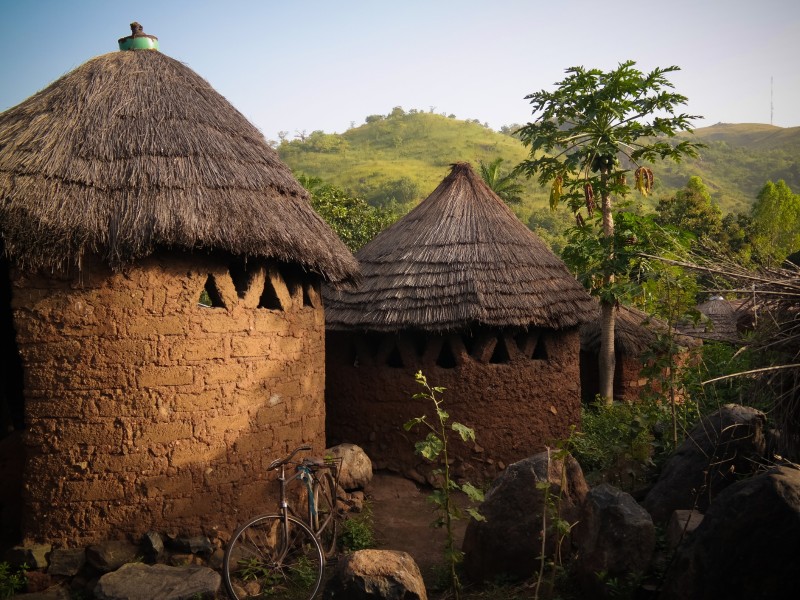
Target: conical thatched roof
pixel 133 151
pixel 634 332
pixel 460 257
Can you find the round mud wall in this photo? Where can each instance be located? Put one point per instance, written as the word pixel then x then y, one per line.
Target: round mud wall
pixel 147 410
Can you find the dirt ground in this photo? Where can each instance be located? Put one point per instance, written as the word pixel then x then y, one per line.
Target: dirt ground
pixel 403 517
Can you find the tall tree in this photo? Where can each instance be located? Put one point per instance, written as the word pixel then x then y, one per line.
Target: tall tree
pixel 354 220
pixel 776 223
pixel 588 134
pixel 505 185
pixel 692 209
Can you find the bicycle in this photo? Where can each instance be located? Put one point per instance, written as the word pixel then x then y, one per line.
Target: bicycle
pixel 282 555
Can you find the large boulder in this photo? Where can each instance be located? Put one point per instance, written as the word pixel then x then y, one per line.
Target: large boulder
pixel 138 581
pixel 747 545
pixel 614 536
pixel 720 449
pixel 376 575
pixel 355 471
pixel 509 540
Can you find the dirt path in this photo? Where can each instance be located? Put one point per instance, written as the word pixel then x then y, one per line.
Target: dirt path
pixel 403 518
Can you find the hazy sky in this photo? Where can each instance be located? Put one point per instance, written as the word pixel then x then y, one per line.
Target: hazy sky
pixel 312 64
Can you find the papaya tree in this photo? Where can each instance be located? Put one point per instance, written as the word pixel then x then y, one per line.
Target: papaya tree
pixel 592 139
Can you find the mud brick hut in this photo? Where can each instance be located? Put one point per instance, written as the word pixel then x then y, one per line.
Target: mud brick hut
pixel 460 289
pixel 164 270
pixel 635 343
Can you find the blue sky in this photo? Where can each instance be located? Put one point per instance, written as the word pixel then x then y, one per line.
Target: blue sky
pixel 306 65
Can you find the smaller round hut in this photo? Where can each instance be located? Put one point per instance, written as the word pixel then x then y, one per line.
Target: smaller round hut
pixel 635 344
pixel 460 289
pixel 163 270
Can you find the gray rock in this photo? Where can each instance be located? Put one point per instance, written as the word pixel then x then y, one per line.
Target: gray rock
pixel 111 555
pixel 614 535
pixel 376 575
pixel 152 545
pixel 509 541
pixel 66 561
pixel 747 545
pixel 56 592
pixel 137 581
pixel 356 467
pixel 719 450
pixel 681 525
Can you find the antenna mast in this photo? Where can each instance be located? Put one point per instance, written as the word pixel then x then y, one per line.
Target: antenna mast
pixel 771 105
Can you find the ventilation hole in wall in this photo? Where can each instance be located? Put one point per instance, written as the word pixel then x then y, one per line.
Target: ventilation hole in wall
pixel 307 301
pixel 419 342
pixel 394 360
pixel 241 277
pixel 293 282
pixel 469 343
pixel 540 351
pixel 500 355
pixel 350 353
pixel 210 296
pixel 446 358
pixel 269 298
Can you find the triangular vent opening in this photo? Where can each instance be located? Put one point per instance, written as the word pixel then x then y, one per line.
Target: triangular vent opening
pixel 307 301
pixel 210 296
pixel 446 358
pixel 540 351
pixel 500 355
pixel 394 360
pixel 269 298
pixel 241 277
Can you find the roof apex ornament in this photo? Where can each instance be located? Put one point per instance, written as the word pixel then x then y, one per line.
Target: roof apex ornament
pixel 138 39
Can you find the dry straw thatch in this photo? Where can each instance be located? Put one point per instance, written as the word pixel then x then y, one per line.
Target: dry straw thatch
pixel 133 151
pixel 461 257
pixel 635 332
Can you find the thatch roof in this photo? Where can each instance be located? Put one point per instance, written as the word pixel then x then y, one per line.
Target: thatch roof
pixel 634 332
pixel 461 257
pixel 133 151
pixel 718 321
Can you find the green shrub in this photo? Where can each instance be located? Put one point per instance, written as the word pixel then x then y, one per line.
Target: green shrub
pixel 11 581
pixel 357 531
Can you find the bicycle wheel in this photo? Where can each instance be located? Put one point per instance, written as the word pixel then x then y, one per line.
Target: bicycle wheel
pixel 266 560
pixel 324 517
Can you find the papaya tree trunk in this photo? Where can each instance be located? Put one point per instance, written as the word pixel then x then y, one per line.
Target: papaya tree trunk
pixel 607 359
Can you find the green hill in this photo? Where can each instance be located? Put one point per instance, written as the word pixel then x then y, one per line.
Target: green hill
pixel 404 155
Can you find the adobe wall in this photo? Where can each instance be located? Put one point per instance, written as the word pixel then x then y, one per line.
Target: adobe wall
pixel 517 400
pixel 146 411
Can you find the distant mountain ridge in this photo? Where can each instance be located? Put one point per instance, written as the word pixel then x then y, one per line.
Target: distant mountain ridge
pixel 404 155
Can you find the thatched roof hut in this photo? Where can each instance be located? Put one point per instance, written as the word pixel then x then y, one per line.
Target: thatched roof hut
pixel 130 190
pixel 635 336
pixel 462 290
pixel 133 151
pixel 459 258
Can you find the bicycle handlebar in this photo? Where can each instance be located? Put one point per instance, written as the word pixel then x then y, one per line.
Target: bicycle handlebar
pixel 282 461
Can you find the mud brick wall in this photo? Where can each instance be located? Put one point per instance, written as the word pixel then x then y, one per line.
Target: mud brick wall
pixel 146 411
pixel 518 392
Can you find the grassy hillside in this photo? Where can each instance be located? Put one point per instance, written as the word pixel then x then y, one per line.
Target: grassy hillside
pixel 405 155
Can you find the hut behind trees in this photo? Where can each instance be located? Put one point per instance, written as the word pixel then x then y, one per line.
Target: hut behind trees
pixel 460 289
pixel 636 345
pixel 164 271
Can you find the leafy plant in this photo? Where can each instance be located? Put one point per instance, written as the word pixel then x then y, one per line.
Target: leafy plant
pixel 553 523
pixel 435 448
pixel 357 531
pixel 12 580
